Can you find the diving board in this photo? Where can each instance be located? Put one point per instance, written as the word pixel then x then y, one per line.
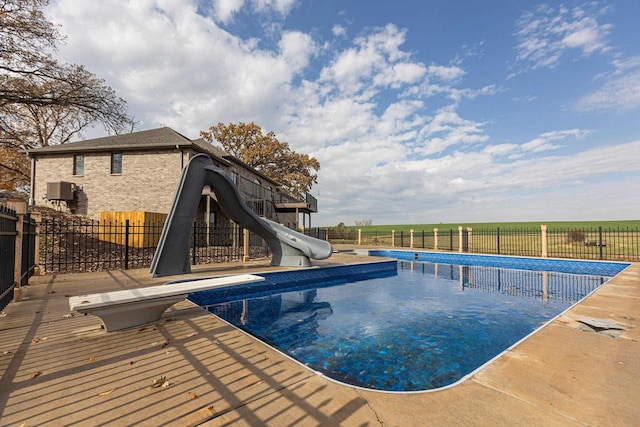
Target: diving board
pixel 134 307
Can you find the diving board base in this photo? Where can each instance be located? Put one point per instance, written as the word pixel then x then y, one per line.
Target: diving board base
pixel 134 307
pixel 123 316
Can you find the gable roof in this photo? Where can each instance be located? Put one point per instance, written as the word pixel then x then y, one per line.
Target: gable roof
pixel 152 139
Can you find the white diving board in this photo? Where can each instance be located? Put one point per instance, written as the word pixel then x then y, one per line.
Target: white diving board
pixel 134 307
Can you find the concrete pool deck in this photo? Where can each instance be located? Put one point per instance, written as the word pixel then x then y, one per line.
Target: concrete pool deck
pixel 59 369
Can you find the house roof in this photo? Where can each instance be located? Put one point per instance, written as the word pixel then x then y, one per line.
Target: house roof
pixel 159 138
pixel 143 140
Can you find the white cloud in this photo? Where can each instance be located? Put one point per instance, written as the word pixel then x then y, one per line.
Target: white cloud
pixel 224 10
pixel 281 6
pixel 619 93
pixel 339 30
pixel 545 141
pixel 445 73
pixel 544 35
pixel 448 129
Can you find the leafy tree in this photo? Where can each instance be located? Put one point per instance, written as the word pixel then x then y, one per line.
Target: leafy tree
pixel 294 171
pixel 42 101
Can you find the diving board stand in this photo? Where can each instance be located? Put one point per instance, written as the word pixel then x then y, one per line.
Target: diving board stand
pixel 134 307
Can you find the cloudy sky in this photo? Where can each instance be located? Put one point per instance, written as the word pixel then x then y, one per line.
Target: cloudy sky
pixel 418 111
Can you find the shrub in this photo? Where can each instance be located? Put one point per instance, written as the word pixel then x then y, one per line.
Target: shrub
pixel 341 232
pixel 576 236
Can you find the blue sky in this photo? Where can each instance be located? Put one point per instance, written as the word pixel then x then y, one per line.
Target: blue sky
pixel 418 111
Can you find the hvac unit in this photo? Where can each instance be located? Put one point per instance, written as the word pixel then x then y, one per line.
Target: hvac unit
pixel 60 190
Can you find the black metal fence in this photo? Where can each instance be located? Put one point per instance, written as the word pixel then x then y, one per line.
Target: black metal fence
pixel 84 245
pixel 8 220
pixel 29 235
pixel 598 243
pixel 9 239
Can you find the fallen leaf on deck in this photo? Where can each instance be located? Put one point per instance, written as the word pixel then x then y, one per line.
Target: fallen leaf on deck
pixel 104 393
pixel 132 362
pixel 165 343
pixel 84 302
pixel 154 343
pixel 91 359
pixel 68 316
pixel 24 424
pixel 193 395
pixel 192 334
pixel 160 382
pixel 36 374
pixel 33 341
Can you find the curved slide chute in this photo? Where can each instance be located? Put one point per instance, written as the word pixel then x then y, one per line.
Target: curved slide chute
pixel 289 247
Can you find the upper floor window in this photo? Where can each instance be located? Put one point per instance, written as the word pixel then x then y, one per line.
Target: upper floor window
pixel 78 164
pixel 116 163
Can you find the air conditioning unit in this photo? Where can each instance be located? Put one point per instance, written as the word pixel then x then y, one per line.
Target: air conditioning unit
pixel 60 190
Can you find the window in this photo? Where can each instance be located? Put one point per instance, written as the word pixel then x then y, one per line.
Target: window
pixel 116 163
pixel 78 164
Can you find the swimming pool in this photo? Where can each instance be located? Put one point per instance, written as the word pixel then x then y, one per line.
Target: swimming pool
pixel 405 325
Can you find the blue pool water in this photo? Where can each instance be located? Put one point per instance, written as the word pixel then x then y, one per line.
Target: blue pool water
pixel 398 326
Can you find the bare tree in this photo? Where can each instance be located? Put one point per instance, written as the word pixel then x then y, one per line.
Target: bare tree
pixel 364 222
pixel 42 101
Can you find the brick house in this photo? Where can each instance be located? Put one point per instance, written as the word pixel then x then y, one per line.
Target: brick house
pixel 140 171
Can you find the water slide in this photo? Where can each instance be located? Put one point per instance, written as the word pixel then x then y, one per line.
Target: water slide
pixel 289 248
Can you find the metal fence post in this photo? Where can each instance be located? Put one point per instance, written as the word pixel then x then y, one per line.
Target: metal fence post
pixel 193 257
pixel 126 244
pixel 600 244
pixel 20 208
pixel 498 236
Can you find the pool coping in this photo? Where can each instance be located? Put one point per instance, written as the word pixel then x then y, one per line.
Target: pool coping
pixel 564 375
